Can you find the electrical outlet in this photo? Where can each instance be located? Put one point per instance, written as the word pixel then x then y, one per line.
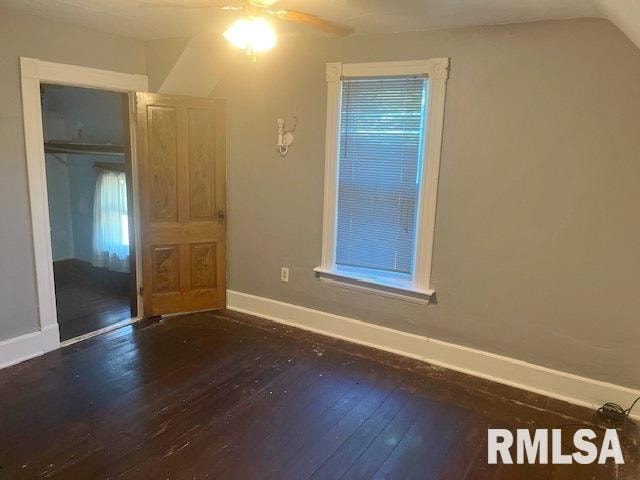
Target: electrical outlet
pixel 284 274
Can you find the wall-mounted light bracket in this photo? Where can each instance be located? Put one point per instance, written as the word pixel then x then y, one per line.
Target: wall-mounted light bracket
pixel 285 137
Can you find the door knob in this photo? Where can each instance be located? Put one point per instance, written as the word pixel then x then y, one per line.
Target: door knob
pixel 220 215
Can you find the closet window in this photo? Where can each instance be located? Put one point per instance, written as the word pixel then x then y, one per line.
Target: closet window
pixel 111 222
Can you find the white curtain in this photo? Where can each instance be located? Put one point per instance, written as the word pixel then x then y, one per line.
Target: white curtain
pixel 111 222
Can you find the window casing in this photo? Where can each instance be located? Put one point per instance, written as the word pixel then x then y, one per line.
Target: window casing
pixel 384 135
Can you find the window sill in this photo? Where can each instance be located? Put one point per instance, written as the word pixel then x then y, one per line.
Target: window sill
pixel 407 292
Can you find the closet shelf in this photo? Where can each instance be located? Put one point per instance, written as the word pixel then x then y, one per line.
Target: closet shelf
pixel 83 148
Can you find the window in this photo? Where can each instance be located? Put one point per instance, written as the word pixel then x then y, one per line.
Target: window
pixel 111 222
pixel 384 129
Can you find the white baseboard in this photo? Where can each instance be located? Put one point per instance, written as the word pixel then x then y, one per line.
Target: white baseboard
pixel 564 386
pixel 24 347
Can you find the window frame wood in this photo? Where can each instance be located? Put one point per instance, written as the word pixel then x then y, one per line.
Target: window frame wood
pixel 436 70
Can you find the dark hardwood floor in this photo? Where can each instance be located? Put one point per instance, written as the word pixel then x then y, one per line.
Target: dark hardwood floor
pixel 89 298
pixel 225 395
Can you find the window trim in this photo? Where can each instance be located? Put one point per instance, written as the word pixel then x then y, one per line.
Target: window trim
pixel 437 72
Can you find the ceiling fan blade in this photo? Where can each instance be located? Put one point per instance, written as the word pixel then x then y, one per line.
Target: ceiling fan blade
pixel 189 4
pixel 206 4
pixel 263 3
pixel 314 21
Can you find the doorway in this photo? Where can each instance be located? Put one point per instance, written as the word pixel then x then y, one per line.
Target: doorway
pixel 89 193
pixel 176 195
pixel 33 74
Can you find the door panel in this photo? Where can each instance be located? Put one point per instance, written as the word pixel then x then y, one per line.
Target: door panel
pixel 181 152
pixel 203 265
pixel 201 170
pixel 163 163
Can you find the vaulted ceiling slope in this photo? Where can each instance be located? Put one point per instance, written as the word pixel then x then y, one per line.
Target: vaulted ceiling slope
pixel 130 18
pixel 625 14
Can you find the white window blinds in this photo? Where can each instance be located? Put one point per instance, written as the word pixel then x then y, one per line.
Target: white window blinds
pixel 381 145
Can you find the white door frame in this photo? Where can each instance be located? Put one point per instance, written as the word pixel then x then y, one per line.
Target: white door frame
pixel 33 72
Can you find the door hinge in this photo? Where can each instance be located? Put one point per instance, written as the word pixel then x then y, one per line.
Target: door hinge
pixel 141 291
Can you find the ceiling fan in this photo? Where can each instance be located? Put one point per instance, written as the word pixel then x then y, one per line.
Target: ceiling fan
pixel 252 32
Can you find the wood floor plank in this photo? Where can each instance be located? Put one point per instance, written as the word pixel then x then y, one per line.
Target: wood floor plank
pixel 266 453
pixel 225 395
pixel 469 443
pixel 117 375
pixel 102 428
pixel 180 416
pixel 424 450
pixel 89 298
pixel 350 450
pixel 305 461
pixel 385 443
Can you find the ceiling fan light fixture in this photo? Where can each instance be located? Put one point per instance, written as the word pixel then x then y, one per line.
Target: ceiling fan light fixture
pixel 252 34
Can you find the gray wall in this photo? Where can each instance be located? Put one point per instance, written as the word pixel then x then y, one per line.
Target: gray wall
pixel 85 115
pixel 536 253
pixel 82 183
pixel 537 239
pixel 59 207
pixel 23 35
pixel 57 168
pixel 97 113
pixel 161 55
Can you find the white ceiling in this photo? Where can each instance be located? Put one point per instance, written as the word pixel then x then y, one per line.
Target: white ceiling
pixel 128 18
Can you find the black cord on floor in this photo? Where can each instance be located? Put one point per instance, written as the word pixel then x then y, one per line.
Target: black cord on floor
pixel 611 413
pixel 614 414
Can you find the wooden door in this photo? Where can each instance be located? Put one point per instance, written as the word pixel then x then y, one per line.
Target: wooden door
pixel 181 158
